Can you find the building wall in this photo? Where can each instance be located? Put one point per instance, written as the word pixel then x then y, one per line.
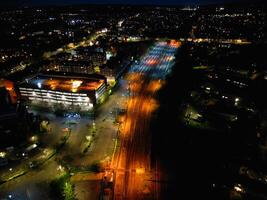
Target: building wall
pixel 84 69
pixel 49 97
pixel 100 92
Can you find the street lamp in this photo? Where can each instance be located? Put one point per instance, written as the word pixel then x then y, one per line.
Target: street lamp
pixel 88 137
pixel 2 154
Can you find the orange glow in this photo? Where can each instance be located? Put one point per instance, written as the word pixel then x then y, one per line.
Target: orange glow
pixel 132 162
pixel 175 43
pixel 140 170
pixel 134 77
pixel 169 58
pixel 155 85
pixel 10 88
pixel 151 62
pixel 71 85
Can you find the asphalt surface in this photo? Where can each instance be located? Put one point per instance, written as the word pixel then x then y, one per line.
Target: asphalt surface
pixel 132 164
pixel 36 182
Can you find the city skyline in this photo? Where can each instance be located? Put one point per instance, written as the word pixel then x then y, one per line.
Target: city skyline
pixel 132 102
pixel 18 3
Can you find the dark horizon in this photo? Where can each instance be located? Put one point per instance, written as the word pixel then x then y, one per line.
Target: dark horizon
pixel 33 3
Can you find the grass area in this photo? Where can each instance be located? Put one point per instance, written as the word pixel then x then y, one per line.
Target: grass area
pixel 62 188
pixel 16 175
pixel 201 67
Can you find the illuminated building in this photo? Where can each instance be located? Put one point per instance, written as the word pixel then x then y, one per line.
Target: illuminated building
pixel 9 86
pixel 73 92
pixel 70 66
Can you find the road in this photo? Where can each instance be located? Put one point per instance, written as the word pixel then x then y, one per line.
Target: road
pixel 132 164
pixel 37 180
pixel 144 80
pixel 71 46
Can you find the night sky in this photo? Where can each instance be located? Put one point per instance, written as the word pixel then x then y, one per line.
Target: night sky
pixel 152 2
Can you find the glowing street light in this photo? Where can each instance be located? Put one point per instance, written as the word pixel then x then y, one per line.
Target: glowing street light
pixel 140 170
pixel 239 188
pixel 2 154
pixel 88 137
pixel 33 138
pixel 39 85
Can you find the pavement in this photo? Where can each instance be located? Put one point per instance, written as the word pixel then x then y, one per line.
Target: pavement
pixel 132 164
pixel 101 149
pixel 132 160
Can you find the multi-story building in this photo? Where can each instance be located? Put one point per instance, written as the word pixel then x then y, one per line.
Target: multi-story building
pixel 73 92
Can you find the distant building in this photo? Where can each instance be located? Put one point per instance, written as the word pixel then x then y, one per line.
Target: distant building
pixel 114 71
pixel 98 58
pixel 13 122
pixel 77 92
pixel 95 56
pixel 5 99
pixel 83 67
pixel 86 66
pixel 9 88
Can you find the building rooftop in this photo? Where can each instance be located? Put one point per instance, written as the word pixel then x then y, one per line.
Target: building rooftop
pixel 73 84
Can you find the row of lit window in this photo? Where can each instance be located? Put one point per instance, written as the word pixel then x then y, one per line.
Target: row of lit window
pixel 63 102
pixel 64 98
pixel 100 91
pixel 55 96
pixel 51 92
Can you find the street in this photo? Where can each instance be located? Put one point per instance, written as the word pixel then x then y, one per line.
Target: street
pixel 101 150
pixel 133 161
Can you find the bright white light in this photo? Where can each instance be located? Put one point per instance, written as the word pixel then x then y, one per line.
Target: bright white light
pixel 39 84
pixel 108 55
pixel 2 154
pixel 76 84
pixel 104 30
pixel 238 189
pixel 63 97
pixel 237 99
pixel 33 93
pixel 60 168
